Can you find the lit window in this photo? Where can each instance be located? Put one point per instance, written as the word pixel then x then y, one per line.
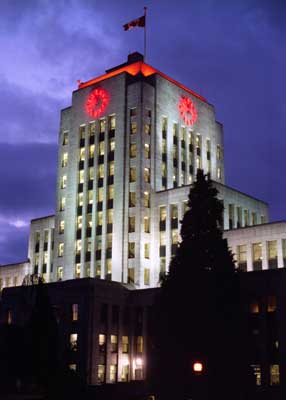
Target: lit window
pixel 101 148
pixel 64 159
pixel 9 317
pixel 99 218
pixel 91 129
pixel 131 224
pixel 218 173
pixel 131 275
pixel 73 341
pixel 147 175
pixel 146 224
pixel 146 276
pixel 163 238
pixel 109 240
pixel 102 125
pixel 147 129
pixel 61 226
pixel 112 122
pixel 219 152
pixel 91 151
pixel 100 171
pixel 90 196
pixel 63 182
pixel 98 269
pixel 132 199
pixel 100 194
pixel 274 375
pixel 91 173
pixel 133 128
pixel 272 250
pixel 175 236
pixel 62 203
pixel 147 150
pixel 147 250
pixel 77 271
pixel 139 344
pixel 257 255
pixel 102 342
pixel 242 257
pixel 257 374
pixel 146 199
pixel 110 216
pixel 101 373
pixel 65 138
pixel 132 150
pixel 271 303
pixel 114 343
pixel 112 145
pixel 72 367
pixel 82 154
pixel 164 146
pixel 198 164
pixel 108 268
pixel 60 273
pixel 78 246
pixel 254 307
pixel 163 213
pixel 61 249
pixel 79 222
pixel 111 168
pixel 125 344
pixel 131 249
pixel 82 131
pixel 132 175
pixel 110 192
pixel 75 312
pixel 113 373
pixel 81 176
pixel 80 199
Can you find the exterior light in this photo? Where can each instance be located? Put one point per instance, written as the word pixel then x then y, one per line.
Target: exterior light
pixel 198 367
pixel 139 362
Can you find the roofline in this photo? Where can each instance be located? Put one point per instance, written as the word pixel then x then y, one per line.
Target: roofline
pixel 135 69
pixel 16 263
pixel 47 216
pixel 255 226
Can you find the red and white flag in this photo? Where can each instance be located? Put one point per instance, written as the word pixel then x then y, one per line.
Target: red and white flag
pixel 140 22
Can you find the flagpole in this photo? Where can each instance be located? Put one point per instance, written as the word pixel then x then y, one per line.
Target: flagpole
pixel 145 12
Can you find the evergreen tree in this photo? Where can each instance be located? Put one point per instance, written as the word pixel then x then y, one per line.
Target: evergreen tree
pixel 197 317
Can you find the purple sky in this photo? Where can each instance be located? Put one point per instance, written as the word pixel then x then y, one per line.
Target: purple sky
pixel 232 52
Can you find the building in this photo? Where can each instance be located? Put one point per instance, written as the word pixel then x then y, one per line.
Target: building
pixel 129 148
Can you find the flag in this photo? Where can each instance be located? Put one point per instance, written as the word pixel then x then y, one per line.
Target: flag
pixel 140 22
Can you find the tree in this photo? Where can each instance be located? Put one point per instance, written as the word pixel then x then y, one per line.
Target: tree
pixel 198 313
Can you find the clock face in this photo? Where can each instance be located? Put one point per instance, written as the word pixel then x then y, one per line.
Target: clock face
pixel 188 110
pixel 97 102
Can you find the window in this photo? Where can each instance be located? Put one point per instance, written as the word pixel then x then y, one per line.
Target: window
pixel 100 171
pixel 78 246
pixel 111 168
pixel 64 159
pixel 133 112
pixel 73 341
pixel 125 344
pixel 131 275
pixel 98 269
pixel 254 307
pixel 246 217
pixel 112 145
pixel 81 154
pixel 72 367
pixel 102 125
pixel 9 317
pixel 65 138
pixel 219 152
pixel 272 254
pixel 101 373
pixel 146 224
pixel 274 375
pixel 257 255
pixel 80 199
pixel 91 173
pixel 284 251
pixel 163 238
pixel 110 192
pixel 257 374
pixel 61 226
pixel 60 249
pixel 110 216
pixel 81 176
pixel 63 182
pixel 147 151
pixel 131 224
pixel 100 194
pixel 132 199
pixel 108 268
pixel 146 199
pixel 271 304
pixel 91 151
pixel 174 236
pixel 147 250
pixel 164 146
pixel 75 312
pixel 91 129
pixel 163 213
pixel 112 122
pixel 113 343
pixel 131 249
pixel 254 218
pixel 113 373
pixel 99 218
pixel 139 344
pixel 79 222
pixel 62 203
pixel 242 257
pixel 77 271
pixel 164 124
pixel 146 276
pixel 102 342
pixel 133 128
pixel 132 150
pixel 82 131
pixel 147 175
pixel 109 240
pixel 148 129
pixel 199 165
pixel 101 148
pixel 60 273
pixel 132 174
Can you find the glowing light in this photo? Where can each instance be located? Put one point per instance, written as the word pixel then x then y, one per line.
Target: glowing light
pixel 97 102
pixel 198 367
pixel 188 110
pixel 139 362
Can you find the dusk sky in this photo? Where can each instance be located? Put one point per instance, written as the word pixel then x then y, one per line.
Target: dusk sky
pixel 230 51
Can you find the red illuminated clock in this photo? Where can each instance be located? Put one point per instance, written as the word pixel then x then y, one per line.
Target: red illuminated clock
pixel 188 110
pixel 97 102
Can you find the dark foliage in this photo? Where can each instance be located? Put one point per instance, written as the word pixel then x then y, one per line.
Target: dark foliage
pixel 198 312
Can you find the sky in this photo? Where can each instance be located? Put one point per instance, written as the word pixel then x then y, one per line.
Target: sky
pixel 231 52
